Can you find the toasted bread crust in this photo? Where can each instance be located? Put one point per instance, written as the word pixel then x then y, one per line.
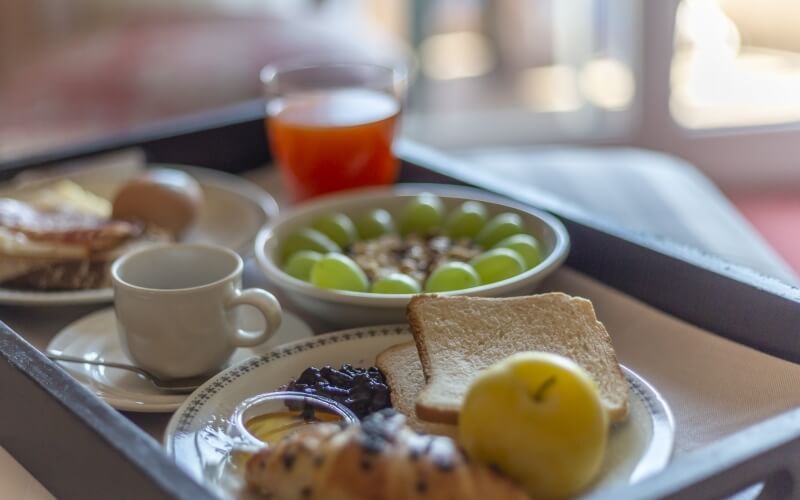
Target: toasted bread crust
pixel 416 328
pixel 401 367
pixel 441 413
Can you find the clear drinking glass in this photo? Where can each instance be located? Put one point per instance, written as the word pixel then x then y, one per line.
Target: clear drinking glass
pixel 331 125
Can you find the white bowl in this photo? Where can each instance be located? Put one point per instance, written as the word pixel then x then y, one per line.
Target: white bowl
pixel 349 309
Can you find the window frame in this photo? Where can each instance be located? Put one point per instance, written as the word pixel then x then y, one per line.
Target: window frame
pixel 736 158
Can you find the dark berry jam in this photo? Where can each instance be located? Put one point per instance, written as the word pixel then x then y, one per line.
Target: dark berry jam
pixel 362 390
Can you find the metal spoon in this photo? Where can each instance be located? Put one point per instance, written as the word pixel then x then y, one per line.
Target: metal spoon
pixel 178 385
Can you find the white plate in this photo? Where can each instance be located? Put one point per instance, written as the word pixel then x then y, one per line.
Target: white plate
pixel 95 337
pixel 231 215
pixel 196 438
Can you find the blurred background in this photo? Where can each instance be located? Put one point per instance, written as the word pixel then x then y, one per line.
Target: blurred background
pixel 714 82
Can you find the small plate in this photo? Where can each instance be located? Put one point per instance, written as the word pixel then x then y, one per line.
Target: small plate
pixel 231 215
pixel 197 441
pixel 95 337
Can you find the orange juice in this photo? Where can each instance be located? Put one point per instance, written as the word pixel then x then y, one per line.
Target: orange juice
pixel 334 139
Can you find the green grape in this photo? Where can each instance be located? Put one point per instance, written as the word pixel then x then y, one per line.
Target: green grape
pixel 307 239
pixel 422 215
pixel 498 264
pixel 500 227
pixel 452 276
pixel 396 283
pixel 300 263
pixel 526 246
pixel 374 224
pixel 339 272
pixel 467 220
pixel 337 227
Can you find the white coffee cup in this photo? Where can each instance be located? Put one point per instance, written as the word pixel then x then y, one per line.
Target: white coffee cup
pixel 177 308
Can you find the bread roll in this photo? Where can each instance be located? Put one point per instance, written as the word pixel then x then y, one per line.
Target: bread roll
pixel 165 198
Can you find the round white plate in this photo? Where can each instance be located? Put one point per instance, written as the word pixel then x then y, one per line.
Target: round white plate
pixel 95 337
pixel 231 215
pixel 197 441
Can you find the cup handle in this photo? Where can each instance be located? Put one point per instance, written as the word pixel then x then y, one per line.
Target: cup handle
pixel 267 305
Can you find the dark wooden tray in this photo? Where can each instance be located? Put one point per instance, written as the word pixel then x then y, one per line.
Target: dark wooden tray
pixel 78 447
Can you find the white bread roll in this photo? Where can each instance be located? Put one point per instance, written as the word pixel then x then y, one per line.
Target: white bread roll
pixel 165 198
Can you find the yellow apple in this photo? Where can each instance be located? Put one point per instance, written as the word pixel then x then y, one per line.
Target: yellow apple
pixel 538 417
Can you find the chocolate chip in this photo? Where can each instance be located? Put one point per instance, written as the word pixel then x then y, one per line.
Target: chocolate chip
pixel 372 444
pixel 366 465
pixel 428 444
pixel 417 446
pixel 422 486
pixel 288 460
pixel 318 460
pixel 306 492
pixel 445 465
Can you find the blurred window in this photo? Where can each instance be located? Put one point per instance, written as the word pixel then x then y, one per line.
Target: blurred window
pixel 718 87
pixel 712 81
pixel 517 72
pixel 74 71
pixel 736 63
pixel 488 72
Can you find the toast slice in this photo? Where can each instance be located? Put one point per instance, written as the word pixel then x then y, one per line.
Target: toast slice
pixel 403 371
pixel 457 337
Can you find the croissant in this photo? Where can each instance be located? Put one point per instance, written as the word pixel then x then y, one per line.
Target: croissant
pixel 380 459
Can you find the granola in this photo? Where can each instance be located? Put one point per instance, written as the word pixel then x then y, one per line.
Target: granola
pixel 414 255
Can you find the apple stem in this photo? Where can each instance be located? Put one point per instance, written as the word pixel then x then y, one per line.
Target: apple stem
pixel 538 396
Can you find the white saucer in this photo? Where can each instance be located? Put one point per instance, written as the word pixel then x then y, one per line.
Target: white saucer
pixel 95 337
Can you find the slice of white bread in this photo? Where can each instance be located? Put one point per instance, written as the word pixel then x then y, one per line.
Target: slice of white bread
pixel 457 337
pixel 403 371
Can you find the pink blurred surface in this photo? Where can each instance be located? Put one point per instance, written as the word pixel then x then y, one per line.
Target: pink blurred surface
pixel 150 69
pixel 777 217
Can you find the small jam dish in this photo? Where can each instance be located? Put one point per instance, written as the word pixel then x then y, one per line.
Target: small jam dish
pixel 264 419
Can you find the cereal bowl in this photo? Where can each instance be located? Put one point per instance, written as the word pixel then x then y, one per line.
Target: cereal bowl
pixel 349 309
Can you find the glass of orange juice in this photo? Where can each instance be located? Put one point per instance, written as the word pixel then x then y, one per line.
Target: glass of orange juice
pixel 331 126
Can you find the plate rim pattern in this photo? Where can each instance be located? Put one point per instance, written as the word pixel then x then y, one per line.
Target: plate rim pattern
pixel 192 405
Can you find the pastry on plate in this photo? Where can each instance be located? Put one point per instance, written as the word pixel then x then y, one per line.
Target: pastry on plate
pixel 380 459
pixel 62 237
pixel 70 248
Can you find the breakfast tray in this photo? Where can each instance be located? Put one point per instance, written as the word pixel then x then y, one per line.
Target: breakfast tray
pixel 78 447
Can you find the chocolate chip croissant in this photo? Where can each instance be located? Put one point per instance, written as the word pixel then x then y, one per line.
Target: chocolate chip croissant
pixel 381 459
